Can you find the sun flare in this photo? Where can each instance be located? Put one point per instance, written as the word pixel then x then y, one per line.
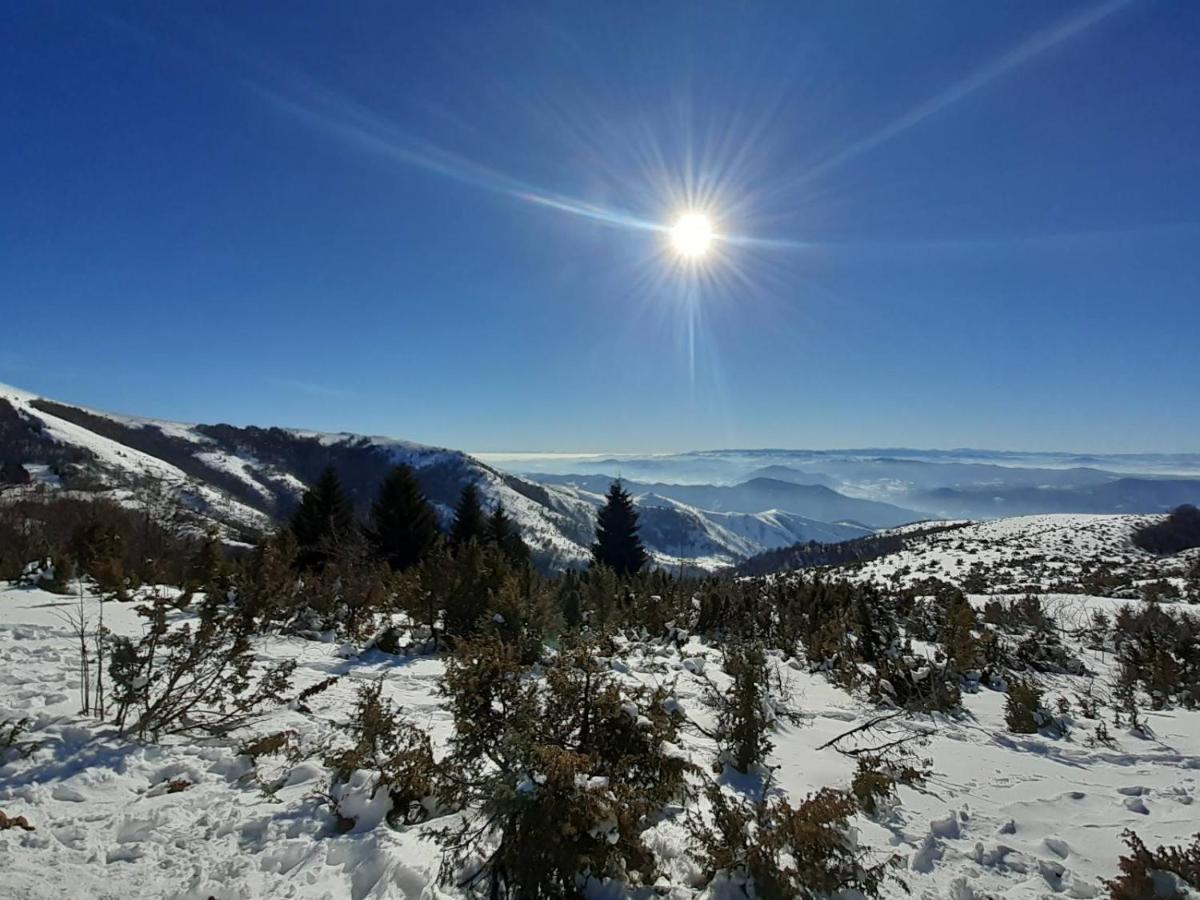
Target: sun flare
pixel 692 235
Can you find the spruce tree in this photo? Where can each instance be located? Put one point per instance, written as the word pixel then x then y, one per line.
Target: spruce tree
pixel 470 524
pixel 503 531
pixel 324 523
pixel 403 526
pixel 617 543
pixel 12 472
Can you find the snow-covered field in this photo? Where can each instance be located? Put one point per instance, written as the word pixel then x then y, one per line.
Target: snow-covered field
pixel 1035 552
pixel 1003 815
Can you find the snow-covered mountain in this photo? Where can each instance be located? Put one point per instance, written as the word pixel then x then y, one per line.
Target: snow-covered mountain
pixel 1060 553
pixel 247 478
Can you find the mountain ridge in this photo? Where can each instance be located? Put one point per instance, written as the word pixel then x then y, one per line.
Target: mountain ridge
pixel 247 478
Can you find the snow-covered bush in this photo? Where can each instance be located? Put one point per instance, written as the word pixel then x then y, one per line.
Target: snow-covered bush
pixel 748 711
pixel 389 755
pixel 1160 653
pixel 1024 711
pixel 559 775
pixel 12 743
pixel 190 678
pixel 880 774
pixel 776 850
pixel 1171 873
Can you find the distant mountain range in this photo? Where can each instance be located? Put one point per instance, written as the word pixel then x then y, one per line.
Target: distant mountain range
pixel 246 479
pixel 919 483
pixel 814 501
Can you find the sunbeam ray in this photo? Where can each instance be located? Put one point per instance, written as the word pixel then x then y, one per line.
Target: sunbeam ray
pixel 1027 50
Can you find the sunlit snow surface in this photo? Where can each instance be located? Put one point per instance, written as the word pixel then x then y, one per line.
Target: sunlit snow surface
pixel 1005 815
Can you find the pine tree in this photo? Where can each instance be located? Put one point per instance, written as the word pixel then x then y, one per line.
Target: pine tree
pixel 12 472
pixel 470 524
pixel 208 564
pixel 617 543
pixel 403 526
pixel 324 523
pixel 503 532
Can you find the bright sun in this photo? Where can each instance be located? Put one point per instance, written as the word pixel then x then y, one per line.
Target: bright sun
pixel 692 235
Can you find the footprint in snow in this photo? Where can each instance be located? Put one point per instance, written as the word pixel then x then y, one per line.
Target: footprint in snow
pixel 1057 846
pixel 1137 805
pixel 67 793
pixel 70 836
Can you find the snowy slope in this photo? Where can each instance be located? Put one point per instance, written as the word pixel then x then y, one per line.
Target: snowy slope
pixel 246 478
pixel 1005 815
pixel 1036 553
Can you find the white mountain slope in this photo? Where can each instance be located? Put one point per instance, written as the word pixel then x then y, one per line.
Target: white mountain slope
pixel 246 478
pixel 1038 554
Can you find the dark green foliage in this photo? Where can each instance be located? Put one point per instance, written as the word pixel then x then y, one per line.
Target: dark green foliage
pixel 470 524
pixel 398 756
pixel 1024 712
pixel 1180 531
pixel 13 473
pixel 569 593
pixel 403 528
pixel 880 774
pixel 748 710
pixel 504 533
pixel 618 545
pixel 117 547
pixel 1160 591
pixel 561 774
pixel 208 569
pixel 958 633
pixel 1160 652
pixel 1148 874
pixel 460 586
pixel 345 597
pixel 522 612
pixel 477 586
pixel 98 546
pixel 807 851
pixel 268 586
pixel 324 522
pixel 976 581
pixel 1025 637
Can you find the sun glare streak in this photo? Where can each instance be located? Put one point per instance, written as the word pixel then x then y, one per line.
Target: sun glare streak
pixel 715 173
pixel 1033 46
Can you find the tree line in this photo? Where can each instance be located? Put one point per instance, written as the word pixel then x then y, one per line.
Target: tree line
pixel 402 526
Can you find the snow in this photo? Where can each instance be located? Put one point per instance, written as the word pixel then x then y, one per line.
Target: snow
pixel 131 465
pixel 1004 815
pixel 1034 552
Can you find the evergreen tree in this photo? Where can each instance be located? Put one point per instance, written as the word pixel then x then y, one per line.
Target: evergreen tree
pixel 12 472
pixel 504 532
pixel 403 526
pixel 470 524
pixel 208 563
pixel 324 523
pixel 617 543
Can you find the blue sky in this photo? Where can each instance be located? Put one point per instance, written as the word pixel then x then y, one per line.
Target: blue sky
pixel 940 224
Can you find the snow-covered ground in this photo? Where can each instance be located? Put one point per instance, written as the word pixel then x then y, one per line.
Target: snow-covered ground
pixel 1040 553
pixel 1004 815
